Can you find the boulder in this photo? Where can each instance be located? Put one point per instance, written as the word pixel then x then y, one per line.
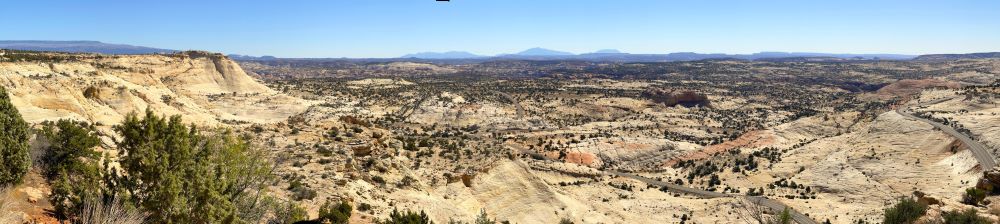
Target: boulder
pixel 990 181
pixel 362 150
pixel 926 200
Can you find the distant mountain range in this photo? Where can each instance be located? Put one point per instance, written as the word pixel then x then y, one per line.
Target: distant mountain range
pixel 529 54
pixel 607 51
pixel 443 55
pixel 943 57
pixel 541 52
pixel 250 58
pixel 79 47
pixel 615 55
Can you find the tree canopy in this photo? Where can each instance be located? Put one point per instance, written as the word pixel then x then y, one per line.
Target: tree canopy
pixel 14 156
pixel 182 175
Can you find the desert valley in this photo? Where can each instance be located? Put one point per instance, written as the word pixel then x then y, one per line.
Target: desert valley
pixel 812 139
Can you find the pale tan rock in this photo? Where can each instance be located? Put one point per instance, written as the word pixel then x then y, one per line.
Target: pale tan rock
pixel 33 194
pixel 206 88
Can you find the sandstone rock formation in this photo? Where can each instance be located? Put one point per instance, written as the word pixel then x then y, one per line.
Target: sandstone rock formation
pixel 206 88
pixel 673 98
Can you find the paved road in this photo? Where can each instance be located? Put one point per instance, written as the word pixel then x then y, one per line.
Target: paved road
pixel 978 150
pixel 774 205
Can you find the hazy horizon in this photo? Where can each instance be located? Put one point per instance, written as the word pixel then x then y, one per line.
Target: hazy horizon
pixel 501 54
pixel 387 29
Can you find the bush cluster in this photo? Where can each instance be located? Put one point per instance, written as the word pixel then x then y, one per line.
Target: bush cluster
pixel 905 211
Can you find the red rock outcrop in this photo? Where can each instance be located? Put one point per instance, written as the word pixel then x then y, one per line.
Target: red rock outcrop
pixel 672 98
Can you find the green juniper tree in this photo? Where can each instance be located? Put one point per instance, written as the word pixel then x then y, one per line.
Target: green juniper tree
pixel 973 196
pixel 71 147
pixel 182 175
pixel 71 166
pixel 14 158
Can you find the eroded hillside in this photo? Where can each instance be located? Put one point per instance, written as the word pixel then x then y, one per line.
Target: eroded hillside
pixel 206 88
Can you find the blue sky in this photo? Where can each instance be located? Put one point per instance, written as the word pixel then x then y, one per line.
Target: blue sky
pixel 387 28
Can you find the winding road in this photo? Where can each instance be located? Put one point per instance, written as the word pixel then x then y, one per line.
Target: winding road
pixel 983 156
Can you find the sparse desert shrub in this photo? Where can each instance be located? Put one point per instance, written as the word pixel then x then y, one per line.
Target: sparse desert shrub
pixel 973 196
pixel 784 218
pixel 14 155
pixel 364 207
pixel 565 221
pixel 257 128
pixel 406 217
pixel 410 145
pixel 406 182
pixel 333 133
pixel 324 151
pixel 167 99
pixel 110 212
pixel 91 92
pixel 300 191
pixel 378 179
pixel 905 211
pixel 338 213
pixel 483 219
pixel 751 210
pixel 426 143
pixel 969 216
pixel 287 212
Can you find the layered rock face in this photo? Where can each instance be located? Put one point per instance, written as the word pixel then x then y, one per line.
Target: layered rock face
pixel 204 87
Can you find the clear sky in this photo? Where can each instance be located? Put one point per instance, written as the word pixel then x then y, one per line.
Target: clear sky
pixel 391 28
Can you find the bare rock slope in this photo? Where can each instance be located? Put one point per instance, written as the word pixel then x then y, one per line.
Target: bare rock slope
pixel 205 88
